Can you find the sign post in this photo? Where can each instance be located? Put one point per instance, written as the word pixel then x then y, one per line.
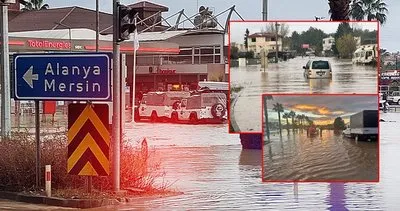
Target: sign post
pixel 37 138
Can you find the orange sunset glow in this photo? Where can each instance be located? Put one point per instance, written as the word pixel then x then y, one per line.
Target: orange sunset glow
pixel 315 109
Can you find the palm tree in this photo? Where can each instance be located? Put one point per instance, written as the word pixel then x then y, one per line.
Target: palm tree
pixel 303 119
pixel 300 119
pixel 286 116
pixel 370 9
pixel 279 108
pixel 339 10
pixel 292 115
pixel 266 98
pixel 307 119
pixel 33 5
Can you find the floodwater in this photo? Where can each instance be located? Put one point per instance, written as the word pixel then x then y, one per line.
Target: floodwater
pixel 287 77
pixel 216 174
pixel 294 156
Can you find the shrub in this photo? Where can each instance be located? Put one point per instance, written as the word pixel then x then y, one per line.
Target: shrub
pixel 139 167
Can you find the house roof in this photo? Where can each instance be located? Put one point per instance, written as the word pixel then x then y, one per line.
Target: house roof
pixel 263 34
pixel 73 17
pixel 149 6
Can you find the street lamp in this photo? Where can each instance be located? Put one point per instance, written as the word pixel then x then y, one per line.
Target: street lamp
pixel 69 34
pixel 276 41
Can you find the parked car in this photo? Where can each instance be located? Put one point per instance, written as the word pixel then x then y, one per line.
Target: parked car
pixel 394 97
pixel 317 69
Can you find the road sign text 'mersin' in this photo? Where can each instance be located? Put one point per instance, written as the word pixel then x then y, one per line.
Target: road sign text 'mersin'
pixel 79 72
pixel 62 76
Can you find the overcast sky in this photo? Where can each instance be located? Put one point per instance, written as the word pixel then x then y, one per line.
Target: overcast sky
pixel 252 10
pixel 237 29
pixel 321 108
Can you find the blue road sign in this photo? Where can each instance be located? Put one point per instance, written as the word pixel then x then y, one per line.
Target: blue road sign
pixel 63 76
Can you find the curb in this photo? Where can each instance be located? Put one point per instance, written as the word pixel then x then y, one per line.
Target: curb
pixel 60 202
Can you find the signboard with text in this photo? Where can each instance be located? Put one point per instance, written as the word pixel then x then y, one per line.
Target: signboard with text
pixel 63 76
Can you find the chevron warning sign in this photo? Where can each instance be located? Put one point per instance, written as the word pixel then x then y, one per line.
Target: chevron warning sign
pixel 88 140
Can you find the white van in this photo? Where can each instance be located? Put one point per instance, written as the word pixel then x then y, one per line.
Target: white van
pixel 157 105
pixel 317 69
pixel 208 107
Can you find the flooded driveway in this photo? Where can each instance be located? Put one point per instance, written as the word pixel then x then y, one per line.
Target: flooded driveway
pixel 216 174
pixel 330 157
pixel 287 77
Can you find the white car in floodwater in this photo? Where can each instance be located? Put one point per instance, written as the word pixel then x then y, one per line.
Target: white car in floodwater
pixel 209 107
pixel 158 105
pixel 315 69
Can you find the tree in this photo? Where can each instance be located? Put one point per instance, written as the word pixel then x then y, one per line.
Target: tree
pixel 339 10
pixel 343 28
pixel 369 9
pixel 346 45
pixel 279 108
pixel 34 5
pixel 339 124
pixel 246 43
pixel 292 115
pixel 266 98
pixel 234 52
pixel 312 36
pixel 286 116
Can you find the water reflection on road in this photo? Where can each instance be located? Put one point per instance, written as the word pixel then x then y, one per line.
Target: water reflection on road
pixel 220 175
pixel 294 156
pixel 287 77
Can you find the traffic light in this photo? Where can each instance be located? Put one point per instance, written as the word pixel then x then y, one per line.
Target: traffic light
pixel 126 23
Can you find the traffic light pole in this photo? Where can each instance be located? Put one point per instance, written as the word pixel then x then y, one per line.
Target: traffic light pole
pixel 5 74
pixel 116 129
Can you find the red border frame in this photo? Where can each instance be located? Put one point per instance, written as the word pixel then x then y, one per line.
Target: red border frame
pixel 319 181
pixel 292 21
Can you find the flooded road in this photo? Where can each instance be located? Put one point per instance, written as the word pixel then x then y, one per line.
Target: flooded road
pixel 328 157
pixel 287 77
pixel 216 174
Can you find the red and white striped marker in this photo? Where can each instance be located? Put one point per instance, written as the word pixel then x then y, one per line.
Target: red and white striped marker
pixel 48 180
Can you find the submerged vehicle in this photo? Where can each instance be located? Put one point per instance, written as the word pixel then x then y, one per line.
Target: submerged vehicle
pixel 317 69
pixel 366 55
pixel 206 107
pixel 158 105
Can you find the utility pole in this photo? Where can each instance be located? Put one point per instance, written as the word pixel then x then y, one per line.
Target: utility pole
pixel 276 42
pixel 116 130
pixel 97 25
pixel 265 10
pixel 5 71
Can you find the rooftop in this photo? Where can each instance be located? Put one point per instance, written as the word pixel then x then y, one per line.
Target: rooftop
pixel 263 34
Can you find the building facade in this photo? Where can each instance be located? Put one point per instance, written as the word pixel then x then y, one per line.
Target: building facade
pixel 267 41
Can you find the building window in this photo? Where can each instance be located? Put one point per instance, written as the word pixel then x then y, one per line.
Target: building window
pixel 273 39
pixel 253 39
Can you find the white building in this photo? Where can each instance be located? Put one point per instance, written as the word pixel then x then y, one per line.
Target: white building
pixel 327 43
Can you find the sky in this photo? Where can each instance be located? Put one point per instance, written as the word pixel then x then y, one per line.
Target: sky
pixel 252 10
pixel 324 109
pixel 237 29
